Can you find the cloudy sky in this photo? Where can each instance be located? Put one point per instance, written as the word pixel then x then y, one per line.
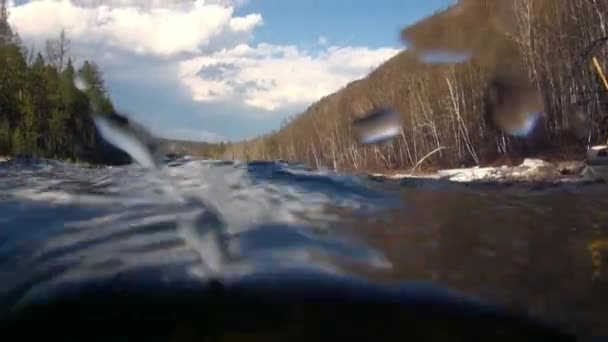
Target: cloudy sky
pixel 221 69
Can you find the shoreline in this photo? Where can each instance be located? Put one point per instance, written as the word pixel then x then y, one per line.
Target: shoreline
pixel 75 162
pixel 530 171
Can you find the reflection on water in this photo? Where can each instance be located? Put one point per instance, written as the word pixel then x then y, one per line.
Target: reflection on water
pixel 544 252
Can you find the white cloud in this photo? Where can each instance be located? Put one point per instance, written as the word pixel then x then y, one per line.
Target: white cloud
pixel 155 30
pixel 283 76
pixel 200 52
pixel 158 3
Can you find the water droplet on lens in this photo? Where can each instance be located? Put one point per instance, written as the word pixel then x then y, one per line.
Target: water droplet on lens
pixel 378 126
pixel 130 137
pixel 80 83
pixel 527 125
pixel 513 105
pixel 449 57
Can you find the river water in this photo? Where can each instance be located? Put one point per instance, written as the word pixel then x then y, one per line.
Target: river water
pixel 538 250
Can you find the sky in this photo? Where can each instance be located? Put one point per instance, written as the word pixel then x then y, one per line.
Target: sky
pixel 212 70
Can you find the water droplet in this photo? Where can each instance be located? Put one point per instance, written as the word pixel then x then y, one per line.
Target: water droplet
pixel 80 83
pixel 146 150
pixel 448 57
pixel 130 137
pixel 514 105
pixel 377 126
pixel 527 126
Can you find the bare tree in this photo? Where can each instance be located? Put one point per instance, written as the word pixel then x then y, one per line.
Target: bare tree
pixel 57 50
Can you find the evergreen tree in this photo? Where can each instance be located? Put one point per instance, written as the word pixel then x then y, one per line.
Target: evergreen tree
pixel 96 90
pixel 5 135
pixel 12 82
pixel 17 141
pixel 6 33
pixel 41 110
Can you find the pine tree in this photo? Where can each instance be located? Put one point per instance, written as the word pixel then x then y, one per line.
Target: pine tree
pixel 17 141
pixel 5 136
pixel 96 90
pixel 42 112
pixel 6 33
pixel 57 50
pixel 56 113
pixel 12 83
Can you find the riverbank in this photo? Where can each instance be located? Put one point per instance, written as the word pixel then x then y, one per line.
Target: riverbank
pixel 19 160
pixel 529 171
pixel 102 159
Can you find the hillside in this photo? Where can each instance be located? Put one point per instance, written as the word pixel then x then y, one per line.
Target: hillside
pixel 445 105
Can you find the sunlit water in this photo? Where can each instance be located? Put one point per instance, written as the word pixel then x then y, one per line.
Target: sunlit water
pixel 522 247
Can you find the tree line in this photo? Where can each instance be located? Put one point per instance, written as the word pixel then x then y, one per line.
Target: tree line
pixel 42 111
pixel 442 105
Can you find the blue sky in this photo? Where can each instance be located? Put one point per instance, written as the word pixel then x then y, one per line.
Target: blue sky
pixel 371 23
pixel 203 71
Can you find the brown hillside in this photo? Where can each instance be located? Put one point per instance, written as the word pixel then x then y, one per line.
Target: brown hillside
pixel 534 46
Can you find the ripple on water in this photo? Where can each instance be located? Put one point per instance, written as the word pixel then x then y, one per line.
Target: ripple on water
pixel 66 223
pixel 519 246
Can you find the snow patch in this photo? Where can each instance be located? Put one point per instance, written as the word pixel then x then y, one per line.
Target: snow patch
pixel 530 170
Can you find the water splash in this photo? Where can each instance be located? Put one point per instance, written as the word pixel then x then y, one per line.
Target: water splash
pixel 126 134
pixel 135 140
pixel 205 231
pixel 125 139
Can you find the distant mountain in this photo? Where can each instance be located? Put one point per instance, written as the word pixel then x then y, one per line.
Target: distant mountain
pixel 195 148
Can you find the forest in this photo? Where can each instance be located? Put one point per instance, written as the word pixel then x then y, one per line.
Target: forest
pixel 42 112
pixel 442 104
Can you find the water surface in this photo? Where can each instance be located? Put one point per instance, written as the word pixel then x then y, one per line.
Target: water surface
pixel 532 249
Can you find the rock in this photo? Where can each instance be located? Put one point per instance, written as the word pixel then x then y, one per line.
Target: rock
pixel 595 172
pixel 535 170
pixel 596 162
pixel 529 170
pixel 534 163
pixel 597 155
pixel 470 174
pixel 570 168
pixel 448 173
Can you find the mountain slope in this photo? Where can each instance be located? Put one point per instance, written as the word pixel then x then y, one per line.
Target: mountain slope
pixel 443 105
